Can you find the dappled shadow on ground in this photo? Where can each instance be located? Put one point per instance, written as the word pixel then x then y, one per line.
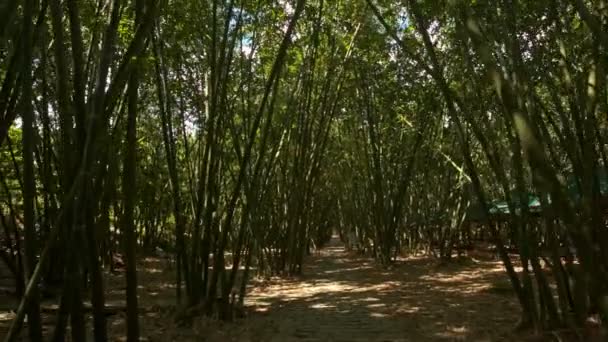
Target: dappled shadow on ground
pixel 342 297
pixel 156 283
pixel 156 294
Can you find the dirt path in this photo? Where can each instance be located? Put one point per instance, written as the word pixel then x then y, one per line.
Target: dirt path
pixel 342 297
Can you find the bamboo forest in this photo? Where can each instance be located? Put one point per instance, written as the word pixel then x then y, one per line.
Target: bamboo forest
pixel 303 170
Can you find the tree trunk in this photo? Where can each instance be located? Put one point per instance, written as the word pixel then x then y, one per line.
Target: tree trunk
pixel 29 182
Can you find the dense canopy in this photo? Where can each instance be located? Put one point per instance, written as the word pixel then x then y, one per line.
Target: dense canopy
pixel 236 136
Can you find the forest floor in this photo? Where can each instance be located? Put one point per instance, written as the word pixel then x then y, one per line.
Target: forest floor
pixel 340 297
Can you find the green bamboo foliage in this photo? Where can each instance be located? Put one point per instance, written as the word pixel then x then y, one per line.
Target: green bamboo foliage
pixel 237 135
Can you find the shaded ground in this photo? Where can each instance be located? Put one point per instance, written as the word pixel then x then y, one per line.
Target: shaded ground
pixel 348 298
pixel 341 297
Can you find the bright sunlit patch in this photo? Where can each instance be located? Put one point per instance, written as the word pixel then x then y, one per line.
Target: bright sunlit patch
pixel 408 310
pixel 378 315
pixel 262 308
pixel 322 306
pixel 370 299
pixel 6 316
pixel 342 270
pixel 154 270
pixel 454 332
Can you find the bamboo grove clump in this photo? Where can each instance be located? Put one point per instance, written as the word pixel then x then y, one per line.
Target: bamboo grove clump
pixel 515 153
pixel 146 129
pixel 237 136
